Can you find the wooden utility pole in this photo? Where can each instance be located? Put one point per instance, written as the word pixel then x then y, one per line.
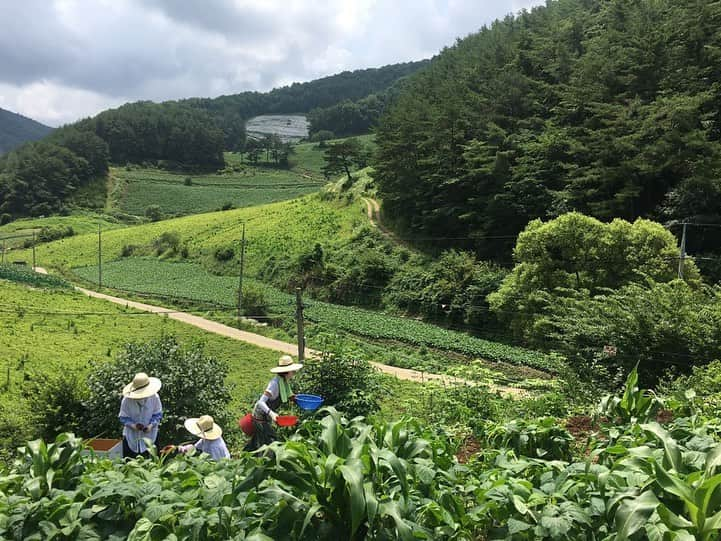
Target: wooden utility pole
pixel 100 258
pixel 682 252
pixel 34 239
pixel 3 259
pixel 240 281
pixel 299 318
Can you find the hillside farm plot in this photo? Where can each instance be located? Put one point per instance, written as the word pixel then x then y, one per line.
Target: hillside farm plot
pixel 187 193
pixel 290 128
pixel 189 281
pixel 16 233
pixel 285 229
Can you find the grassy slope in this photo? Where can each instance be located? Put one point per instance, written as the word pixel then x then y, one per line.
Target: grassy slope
pixel 50 341
pixel 81 222
pixel 285 228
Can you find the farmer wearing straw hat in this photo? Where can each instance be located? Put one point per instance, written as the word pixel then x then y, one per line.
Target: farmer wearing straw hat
pixel 140 414
pixel 211 437
pixel 276 393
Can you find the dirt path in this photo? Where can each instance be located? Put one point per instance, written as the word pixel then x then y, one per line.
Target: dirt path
pixel 278 345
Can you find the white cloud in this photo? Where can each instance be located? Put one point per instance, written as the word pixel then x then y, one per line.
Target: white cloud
pixel 82 56
pixel 53 104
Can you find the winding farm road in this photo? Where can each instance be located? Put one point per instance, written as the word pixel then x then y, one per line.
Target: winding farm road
pixel 278 345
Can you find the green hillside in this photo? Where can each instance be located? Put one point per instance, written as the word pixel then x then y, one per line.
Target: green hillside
pixel 279 229
pixel 16 129
pixel 50 330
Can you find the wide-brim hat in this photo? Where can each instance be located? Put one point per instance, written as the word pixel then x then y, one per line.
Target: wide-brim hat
pixel 286 364
pixel 203 427
pixel 142 386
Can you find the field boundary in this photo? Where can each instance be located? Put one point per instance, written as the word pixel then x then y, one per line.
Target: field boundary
pixel 278 345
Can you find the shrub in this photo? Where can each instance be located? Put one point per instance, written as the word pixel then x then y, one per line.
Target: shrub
pixel 193 385
pixel 227 206
pixel 224 253
pixel 154 213
pixel 5 218
pixel 254 301
pixel 127 250
pixel 168 242
pixel 57 403
pixel 48 234
pixel 343 380
pixel 188 181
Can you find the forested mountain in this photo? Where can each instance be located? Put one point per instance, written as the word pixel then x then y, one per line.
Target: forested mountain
pixel 607 107
pixel 16 129
pixel 231 112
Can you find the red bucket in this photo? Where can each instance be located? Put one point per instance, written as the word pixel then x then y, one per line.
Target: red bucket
pixel 286 420
pixel 246 424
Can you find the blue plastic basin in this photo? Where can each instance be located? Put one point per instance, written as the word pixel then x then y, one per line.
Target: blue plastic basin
pixel 308 402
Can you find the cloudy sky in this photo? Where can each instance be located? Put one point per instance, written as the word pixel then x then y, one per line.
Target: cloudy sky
pixel 61 60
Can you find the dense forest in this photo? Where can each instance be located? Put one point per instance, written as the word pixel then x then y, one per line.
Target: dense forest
pixel 38 178
pixel 609 108
pixel 354 117
pixel 16 129
pixel 231 112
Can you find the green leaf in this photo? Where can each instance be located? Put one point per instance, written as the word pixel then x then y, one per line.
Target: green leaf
pixel 713 460
pixel 354 486
pixel 371 502
pixel 671 519
pixel 672 484
pixel 515 526
pixel 672 453
pixel 633 514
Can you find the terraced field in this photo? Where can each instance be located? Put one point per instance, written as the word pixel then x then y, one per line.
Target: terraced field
pixel 189 281
pixel 185 193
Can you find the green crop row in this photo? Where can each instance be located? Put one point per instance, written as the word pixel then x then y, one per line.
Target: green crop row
pixel 25 275
pixel 189 281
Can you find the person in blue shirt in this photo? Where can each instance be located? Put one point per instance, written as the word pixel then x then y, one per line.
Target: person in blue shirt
pixel 265 411
pixel 140 414
pixel 211 437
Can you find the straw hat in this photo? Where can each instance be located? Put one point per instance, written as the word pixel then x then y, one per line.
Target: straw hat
pixel 203 427
pixel 286 364
pixel 142 386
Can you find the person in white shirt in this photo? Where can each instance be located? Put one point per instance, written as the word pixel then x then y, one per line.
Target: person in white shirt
pixel 211 437
pixel 140 413
pixel 276 393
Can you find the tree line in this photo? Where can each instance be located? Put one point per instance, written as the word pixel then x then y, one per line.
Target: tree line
pixel 609 108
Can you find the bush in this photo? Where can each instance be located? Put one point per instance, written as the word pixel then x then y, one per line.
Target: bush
pixel 57 402
pixel 127 250
pixel 254 301
pixel 227 206
pixel 154 213
pixel 5 218
pixel 167 243
pixel 188 181
pixel 48 234
pixel 224 253
pixel 193 385
pixel 343 380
